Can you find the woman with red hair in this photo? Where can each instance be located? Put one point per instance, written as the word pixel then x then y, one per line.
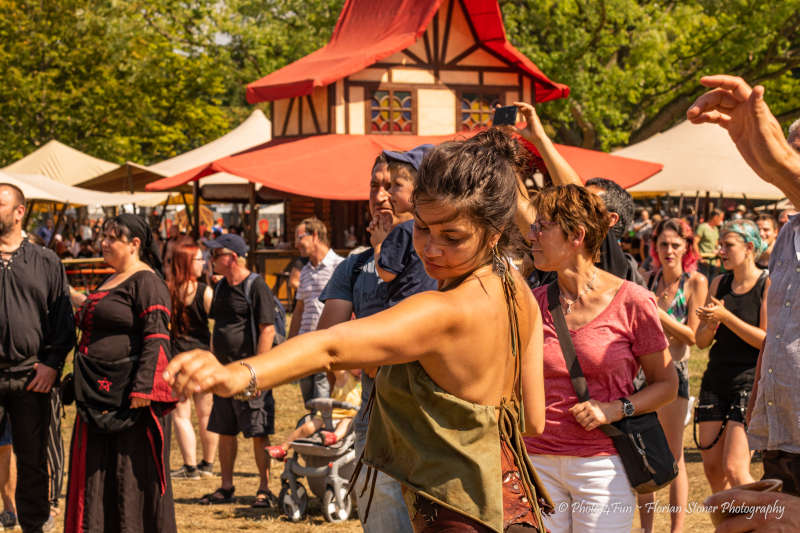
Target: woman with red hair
pixel 679 291
pixel 191 301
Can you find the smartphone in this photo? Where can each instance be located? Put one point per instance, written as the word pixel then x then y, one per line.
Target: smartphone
pixel 506 115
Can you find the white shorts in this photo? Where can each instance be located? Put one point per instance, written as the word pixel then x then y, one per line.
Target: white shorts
pixel 590 494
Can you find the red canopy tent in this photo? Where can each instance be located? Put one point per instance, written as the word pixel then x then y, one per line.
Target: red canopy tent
pixel 335 167
pixel 368 31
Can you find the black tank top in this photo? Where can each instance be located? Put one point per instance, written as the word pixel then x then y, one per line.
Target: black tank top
pixel 197 335
pixel 731 360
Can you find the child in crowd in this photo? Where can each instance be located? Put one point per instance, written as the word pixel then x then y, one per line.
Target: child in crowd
pixel 396 261
pixel 347 388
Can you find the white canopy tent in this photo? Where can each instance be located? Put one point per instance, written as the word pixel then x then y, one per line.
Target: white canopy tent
pixel 252 132
pixel 60 163
pixel 79 196
pixel 698 158
pixel 31 192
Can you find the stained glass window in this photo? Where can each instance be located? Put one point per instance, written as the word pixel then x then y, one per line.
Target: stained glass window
pixel 477 110
pixel 391 112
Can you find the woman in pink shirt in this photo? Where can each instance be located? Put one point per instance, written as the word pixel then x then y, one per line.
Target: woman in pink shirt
pixel 615 328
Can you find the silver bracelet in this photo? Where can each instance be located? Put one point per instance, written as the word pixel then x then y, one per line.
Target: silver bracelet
pixel 252 387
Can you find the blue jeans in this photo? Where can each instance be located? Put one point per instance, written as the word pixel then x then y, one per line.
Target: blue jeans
pixel 315 386
pixel 388 511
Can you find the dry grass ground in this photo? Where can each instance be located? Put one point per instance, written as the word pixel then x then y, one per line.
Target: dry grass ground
pixel 239 516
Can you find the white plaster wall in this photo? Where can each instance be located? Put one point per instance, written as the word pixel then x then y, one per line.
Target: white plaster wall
pixel 436 112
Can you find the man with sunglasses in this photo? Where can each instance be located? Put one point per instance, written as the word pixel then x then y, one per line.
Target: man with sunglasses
pixel 244 318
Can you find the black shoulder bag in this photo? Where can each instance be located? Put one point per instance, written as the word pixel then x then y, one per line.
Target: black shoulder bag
pixel 639 440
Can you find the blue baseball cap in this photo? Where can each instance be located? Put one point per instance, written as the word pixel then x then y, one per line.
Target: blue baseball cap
pixel 413 157
pixel 230 241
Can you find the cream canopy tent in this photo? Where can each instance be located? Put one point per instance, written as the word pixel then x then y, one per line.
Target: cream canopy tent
pixel 59 192
pixel 30 191
pixel 252 132
pixel 61 163
pixel 698 158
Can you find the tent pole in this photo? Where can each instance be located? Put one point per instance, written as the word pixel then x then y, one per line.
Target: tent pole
pixel 29 210
pixel 251 233
pixel 196 208
pixel 130 178
pixel 163 212
pixel 680 206
pixel 60 216
pixel 707 208
pixel 696 207
pixel 188 210
pixel 747 202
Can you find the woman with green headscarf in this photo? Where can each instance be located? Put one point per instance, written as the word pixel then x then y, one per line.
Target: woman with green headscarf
pixel 735 316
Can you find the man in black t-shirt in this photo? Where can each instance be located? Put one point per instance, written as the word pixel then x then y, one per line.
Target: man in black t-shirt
pixel 244 318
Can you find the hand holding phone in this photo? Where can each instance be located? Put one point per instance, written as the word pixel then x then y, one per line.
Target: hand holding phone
pixel 505 116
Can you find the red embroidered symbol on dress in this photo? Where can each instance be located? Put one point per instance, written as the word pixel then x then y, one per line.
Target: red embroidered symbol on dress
pixel 104 384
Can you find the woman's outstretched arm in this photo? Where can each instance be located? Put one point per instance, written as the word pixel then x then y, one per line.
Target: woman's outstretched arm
pixel 414 329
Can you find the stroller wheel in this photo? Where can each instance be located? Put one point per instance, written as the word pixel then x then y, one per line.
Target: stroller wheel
pixel 331 509
pixel 294 506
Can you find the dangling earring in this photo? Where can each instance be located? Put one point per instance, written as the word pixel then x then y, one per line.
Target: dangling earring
pixel 499 265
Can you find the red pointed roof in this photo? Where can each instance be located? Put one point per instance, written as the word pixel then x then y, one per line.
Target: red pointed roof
pixel 368 31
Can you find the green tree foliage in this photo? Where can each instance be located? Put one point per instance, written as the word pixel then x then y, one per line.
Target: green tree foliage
pixel 634 65
pixel 142 80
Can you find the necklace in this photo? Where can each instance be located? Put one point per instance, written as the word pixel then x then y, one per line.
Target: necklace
pixel 668 294
pixel 581 293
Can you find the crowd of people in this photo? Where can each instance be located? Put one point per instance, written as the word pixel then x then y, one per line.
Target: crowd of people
pixel 469 304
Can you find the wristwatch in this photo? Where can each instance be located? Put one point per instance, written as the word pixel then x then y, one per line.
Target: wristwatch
pixel 252 387
pixel 627 408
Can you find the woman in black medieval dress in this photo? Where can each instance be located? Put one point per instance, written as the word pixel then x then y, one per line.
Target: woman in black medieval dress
pixel 119 470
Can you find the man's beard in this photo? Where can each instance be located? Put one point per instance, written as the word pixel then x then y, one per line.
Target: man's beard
pixel 6 226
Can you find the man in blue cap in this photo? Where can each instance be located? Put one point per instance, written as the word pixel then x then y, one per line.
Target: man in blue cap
pixel 244 318
pixel 396 261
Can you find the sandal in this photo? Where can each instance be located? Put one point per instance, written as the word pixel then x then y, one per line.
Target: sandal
pixel 276 452
pixel 265 499
pixel 218 496
pixel 329 438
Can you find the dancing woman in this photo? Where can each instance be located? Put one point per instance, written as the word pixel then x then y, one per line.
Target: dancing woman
pixel 446 415
pixel 735 316
pixel 679 291
pixel 119 477
pixel 615 329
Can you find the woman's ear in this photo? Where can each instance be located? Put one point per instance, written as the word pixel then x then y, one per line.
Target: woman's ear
pixel 137 243
pixel 577 236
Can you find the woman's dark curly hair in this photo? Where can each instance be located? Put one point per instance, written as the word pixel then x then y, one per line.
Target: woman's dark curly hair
pixel 479 177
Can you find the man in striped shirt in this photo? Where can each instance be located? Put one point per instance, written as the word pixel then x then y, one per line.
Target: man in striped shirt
pixel 311 240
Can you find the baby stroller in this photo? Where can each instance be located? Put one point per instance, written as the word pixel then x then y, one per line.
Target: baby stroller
pixel 326 468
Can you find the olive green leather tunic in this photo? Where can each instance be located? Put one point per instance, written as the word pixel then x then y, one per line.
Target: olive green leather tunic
pixel 444 447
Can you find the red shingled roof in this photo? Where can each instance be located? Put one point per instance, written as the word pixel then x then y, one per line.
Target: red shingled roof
pixel 370 30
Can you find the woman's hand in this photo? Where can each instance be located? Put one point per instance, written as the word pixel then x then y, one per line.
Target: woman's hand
pixel 137 402
pixel 200 371
pixel 593 414
pixel 715 312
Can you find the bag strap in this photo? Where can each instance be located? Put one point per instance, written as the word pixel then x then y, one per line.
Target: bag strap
pixel 248 289
pixel 570 357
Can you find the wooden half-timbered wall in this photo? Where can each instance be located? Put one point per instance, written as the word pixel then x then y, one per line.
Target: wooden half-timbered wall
pixel 442 65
